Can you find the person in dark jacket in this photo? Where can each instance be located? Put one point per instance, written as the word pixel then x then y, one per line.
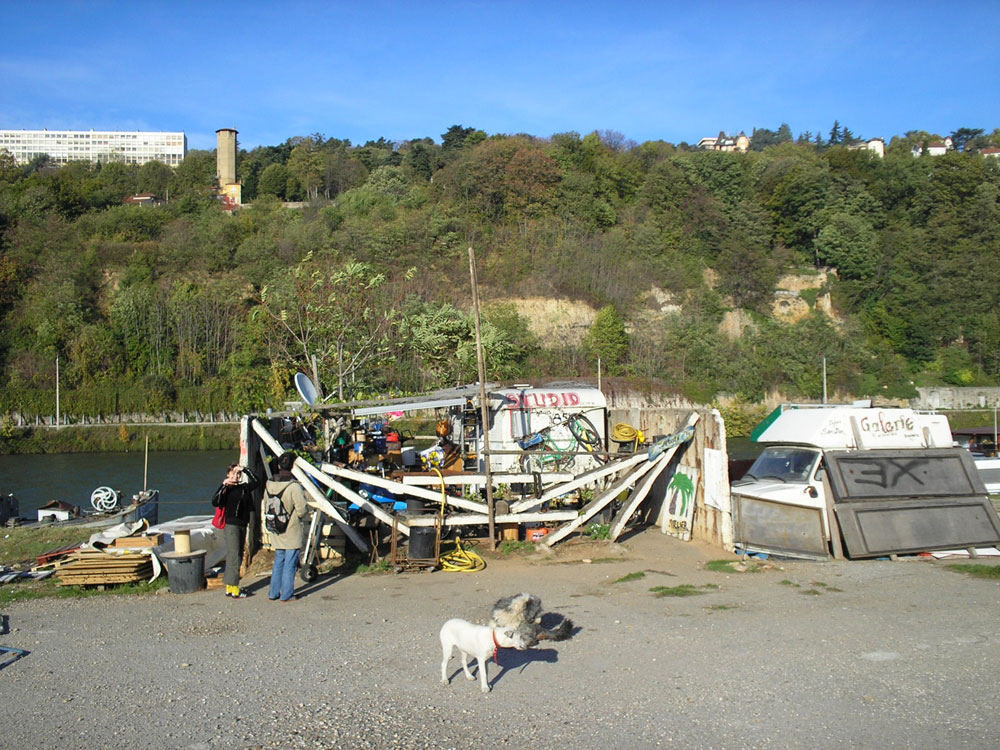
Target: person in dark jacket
pixel 235 494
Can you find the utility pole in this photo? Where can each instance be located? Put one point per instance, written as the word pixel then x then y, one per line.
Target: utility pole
pixel 58 420
pixel 824 378
pixel 484 407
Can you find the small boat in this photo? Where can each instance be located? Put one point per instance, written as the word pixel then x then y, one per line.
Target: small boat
pixel 145 505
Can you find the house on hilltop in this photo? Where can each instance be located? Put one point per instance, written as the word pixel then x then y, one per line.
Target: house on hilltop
pixel 933 148
pixel 875 145
pixel 725 142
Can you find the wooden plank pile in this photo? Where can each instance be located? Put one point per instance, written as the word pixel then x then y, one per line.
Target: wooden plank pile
pixel 91 567
pixel 332 543
pixel 151 540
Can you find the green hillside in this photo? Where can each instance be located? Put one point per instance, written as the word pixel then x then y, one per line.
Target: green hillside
pixel 185 307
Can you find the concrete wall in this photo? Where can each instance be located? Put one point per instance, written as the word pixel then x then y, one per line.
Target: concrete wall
pixel 956 398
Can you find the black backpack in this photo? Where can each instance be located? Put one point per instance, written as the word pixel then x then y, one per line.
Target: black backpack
pixel 276 518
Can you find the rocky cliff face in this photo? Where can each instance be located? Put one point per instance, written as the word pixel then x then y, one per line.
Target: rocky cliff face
pixel 557 322
pixel 564 322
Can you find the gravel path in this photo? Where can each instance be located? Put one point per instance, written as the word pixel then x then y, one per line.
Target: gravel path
pixel 803 655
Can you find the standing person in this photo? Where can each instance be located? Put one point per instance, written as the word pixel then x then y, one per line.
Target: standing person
pixel 287 545
pixel 236 496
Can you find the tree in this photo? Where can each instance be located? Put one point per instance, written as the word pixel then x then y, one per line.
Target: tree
pixel 608 340
pixel 343 315
pixel 153 177
pixel 835 133
pixel 746 270
pixel 456 138
pixel 961 137
pixel 848 243
pixel 274 181
pixel 306 163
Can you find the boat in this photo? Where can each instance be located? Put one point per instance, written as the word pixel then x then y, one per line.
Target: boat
pixel 145 505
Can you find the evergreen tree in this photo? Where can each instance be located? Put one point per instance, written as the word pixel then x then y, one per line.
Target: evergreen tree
pixel 608 340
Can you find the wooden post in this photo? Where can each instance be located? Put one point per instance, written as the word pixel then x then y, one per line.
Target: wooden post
pixel 145 465
pixel 484 406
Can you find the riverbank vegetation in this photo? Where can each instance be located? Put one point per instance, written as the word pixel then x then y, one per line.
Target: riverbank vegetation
pixel 118 438
pixel 184 307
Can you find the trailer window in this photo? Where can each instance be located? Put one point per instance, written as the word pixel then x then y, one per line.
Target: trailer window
pixel 786 464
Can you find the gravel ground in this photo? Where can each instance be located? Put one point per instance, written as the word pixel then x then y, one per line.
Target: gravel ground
pixel 802 655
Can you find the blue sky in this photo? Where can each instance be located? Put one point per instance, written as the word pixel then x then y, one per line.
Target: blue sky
pixel 364 70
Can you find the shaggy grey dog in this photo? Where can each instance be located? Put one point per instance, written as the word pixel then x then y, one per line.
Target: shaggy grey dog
pixel 524 613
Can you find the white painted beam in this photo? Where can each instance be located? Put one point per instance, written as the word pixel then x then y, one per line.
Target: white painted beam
pixel 318 499
pixel 642 489
pixel 596 505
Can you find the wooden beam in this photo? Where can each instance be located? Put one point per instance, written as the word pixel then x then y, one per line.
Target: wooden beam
pixel 400 488
pixel 593 475
pixel 594 507
pixel 367 505
pixel 498 478
pixel 637 496
pixel 642 489
pixel 472 519
pixel 310 488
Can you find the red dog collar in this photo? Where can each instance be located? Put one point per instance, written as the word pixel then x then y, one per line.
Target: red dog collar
pixel 496 649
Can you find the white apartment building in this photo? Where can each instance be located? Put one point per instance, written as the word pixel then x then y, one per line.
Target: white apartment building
pixel 62 146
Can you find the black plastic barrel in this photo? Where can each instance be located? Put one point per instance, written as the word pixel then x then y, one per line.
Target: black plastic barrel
pixel 186 571
pixel 422 539
pixel 415 507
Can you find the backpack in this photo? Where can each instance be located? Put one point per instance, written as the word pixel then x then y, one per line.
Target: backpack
pixel 276 518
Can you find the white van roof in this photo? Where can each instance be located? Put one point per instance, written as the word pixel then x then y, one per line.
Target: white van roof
pixel 849 427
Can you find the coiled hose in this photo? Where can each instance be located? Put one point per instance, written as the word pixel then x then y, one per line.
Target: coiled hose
pixel 459 560
pixel 626 433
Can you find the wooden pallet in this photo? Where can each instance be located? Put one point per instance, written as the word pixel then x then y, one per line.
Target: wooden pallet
pixel 94 567
pixel 153 540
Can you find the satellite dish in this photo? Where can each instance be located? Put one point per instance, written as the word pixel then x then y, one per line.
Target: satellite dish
pixel 306 388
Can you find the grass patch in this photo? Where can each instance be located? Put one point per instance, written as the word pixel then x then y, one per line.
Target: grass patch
pixel 512 546
pixel 720 566
pixel 729 566
pixel 21 545
pixel 598 531
pixel 977 570
pixel 818 584
pixel 810 592
pixel 382 566
pixel 786 582
pixel 598 560
pixel 722 607
pixel 631 577
pixel 49 589
pixel 684 589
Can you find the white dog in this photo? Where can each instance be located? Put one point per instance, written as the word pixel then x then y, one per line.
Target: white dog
pixel 479 641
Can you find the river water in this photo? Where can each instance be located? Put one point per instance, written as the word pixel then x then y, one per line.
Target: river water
pixel 186 479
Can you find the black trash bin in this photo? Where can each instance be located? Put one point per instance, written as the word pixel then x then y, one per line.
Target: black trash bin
pixel 422 541
pixel 185 570
pixel 415 507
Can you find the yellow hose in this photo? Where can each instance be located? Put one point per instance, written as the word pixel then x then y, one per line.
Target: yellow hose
pixel 626 433
pixel 459 560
